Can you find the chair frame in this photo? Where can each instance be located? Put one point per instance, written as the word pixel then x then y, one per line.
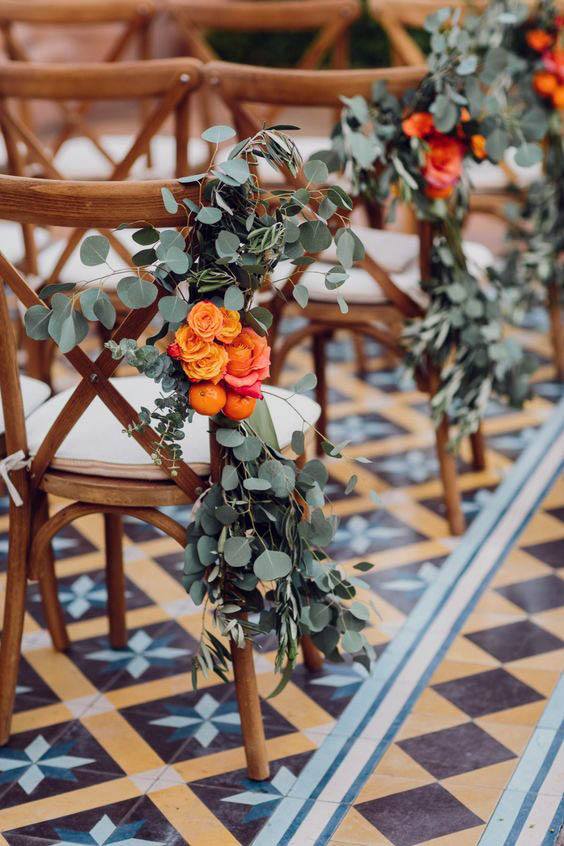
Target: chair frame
pixel 395 16
pixel 165 84
pixel 239 85
pixel 85 205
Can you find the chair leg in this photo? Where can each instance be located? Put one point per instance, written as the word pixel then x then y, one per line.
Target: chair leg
pixel 556 330
pixel 249 711
pixel 115 579
pixel 478 444
pixel 313 658
pixel 447 465
pixel 319 341
pixel 359 343
pixel 48 582
pixel 14 610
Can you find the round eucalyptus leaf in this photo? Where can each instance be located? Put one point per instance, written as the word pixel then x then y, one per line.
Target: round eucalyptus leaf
pixel 237 169
pixel 169 201
pixel 233 299
pixel 315 236
pixel 146 236
pixel 316 616
pixel 198 592
pixel 135 292
pixel 352 641
pixel 173 309
pixel 281 477
pixel 254 484
pixel 272 565
pixel 298 442
pixel 306 383
pixel 359 610
pixel 226 244
pixel 229 478
pixel 316 171
pixel 209 215
pixel 237 551
pixel 218 133
pixel 177 260
pixel 207 550
pixel 249 450
pixel 36 322
pixel 301 295
pixel 226 514
pixel 94 250
pixel 229 437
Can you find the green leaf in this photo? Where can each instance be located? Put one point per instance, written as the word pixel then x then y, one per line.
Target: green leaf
pixel 352 641
pixel 177 260
pixel 316 171
pixel 237 551
pixel 74 329
pixel 345 249
pixel 298 442
pixel 237 169
pixel 272 565
pixel 173 309
pixel 146 236
pixel 316 616
pixel 281 477
pixel 306 383
pixel 249 450
pixel 226 244
pixel 209 215
pixel 135 292
pixel 56 288
pixel 528 155
pixel 359 610
pixel 261 422
pixel 226 514
pixel 229 437
pixel 351 484
pixel 234 299
pixel 254 484
pixel 467 66
pixel 301 295
pixel 36 322
pixel 315 236
pixel 218 133
pixel 445 113
pixel 193 177
pixel 207 550
pixel 88 300
pixel 169 201
pixel 229 478
pixel 94 250
pixel 363 566
pixel 496 144
pixel 198 592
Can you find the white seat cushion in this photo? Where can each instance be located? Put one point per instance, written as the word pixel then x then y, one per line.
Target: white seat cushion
pixel 486 176
pixel 34 393
pixel 12 243
pixel 386 248
pixel 79 158
pixel 98 446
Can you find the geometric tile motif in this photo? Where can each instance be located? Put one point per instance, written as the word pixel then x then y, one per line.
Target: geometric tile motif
pixel 487 692
pixel 536 595
pixel 515 640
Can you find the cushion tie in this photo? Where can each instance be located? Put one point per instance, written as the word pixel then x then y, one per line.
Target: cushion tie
pixel 15 461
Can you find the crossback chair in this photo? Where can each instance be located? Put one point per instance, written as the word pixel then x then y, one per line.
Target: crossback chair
pixel 494 186
pixel 109 473
pixel 165 84
pixel 383 290
pixel 329 20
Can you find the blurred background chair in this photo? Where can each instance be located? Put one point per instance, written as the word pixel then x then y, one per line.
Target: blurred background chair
pixel 383 290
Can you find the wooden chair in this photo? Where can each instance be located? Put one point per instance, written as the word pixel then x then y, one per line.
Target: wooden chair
pixel 494 186
pixel 383 290
pixel 167 84
pixel 329 20
pixel 109 474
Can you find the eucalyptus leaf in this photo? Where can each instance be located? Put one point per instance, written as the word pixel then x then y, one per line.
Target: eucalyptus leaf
pixel 217 134
pixel 233 298
pixel 169 200
pixel 272 565
pixel 237 551
pixel 94 250
pixel 135 292
pixel 173 309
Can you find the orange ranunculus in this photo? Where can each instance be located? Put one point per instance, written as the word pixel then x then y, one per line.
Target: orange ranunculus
pixel 478 145
pixel 443 165
pixel 249 363
pixel 539 39
pixel 545 83
pixel 206 320
pixel 558 97
pixel 465 115
pixel 418 125
pixel 191 346
pixel 231 326
pixel 210 367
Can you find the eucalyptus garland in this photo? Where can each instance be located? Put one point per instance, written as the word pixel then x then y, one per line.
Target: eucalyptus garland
pixel 256 552
pixel 416 151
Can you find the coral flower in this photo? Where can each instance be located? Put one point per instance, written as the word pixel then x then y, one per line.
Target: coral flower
pixel 191 346
pixel 210 367
pixel 206 320
pixel 539 39
pixel 231 327
pixel 249 363
pixel 418 125
pixel 545 83
pixel 478 144
pixel 174 351
pixel 554 63
pixel 443 165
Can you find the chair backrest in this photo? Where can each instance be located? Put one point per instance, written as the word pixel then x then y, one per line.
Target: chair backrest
pixel 330 19
pixel 242 86
pixel 83 205
pixel 164 86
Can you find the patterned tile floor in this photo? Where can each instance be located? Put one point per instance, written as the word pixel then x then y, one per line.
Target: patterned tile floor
pixel 113 746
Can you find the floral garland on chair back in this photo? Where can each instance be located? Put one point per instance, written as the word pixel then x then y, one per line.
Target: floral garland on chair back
pixel 416 151
pixel 256 543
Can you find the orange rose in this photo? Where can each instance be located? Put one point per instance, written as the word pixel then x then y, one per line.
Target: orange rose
pixel 478 144
pixel 210 367
pixel 419 125
pixel 231 326
pixel 191 346
pixel 249 363
pixel 539 39
pixel 558 97
pixel 443 165
pixel 545 83
pixel 206 320
pixel 465 115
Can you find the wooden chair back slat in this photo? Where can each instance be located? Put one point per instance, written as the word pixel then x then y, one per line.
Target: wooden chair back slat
pixel 61 12
pixel 274 16
pixel 82 200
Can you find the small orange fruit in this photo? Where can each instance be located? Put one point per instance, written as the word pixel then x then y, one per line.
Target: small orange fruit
pixel 207 398
pixel 545 83
pixel 539 39
pixel 478 144
pixel 558 97
pixel 238 407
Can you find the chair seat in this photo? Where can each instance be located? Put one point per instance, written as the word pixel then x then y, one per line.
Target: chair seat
pixel 97 445
pixel 79 158
pixel 34 394
pixel 386 248
pixel 486 176
pixel 12 242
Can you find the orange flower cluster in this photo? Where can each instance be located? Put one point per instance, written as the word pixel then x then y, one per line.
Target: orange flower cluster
pixel 214 348
pixel 445 154
pixel 549 83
